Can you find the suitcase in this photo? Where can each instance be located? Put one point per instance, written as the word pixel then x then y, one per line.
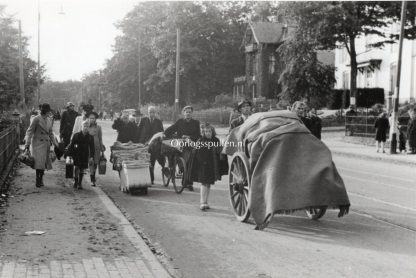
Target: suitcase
pixel 69 168
pixel 102 165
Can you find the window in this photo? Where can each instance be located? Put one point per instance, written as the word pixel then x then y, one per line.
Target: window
pixel 370 79
pixel 272 63
pixel 254 70
pixel 344 55
pixel 345 80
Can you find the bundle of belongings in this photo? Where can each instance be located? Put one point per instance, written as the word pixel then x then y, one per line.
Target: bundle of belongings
pixel 129 153
pixel 290 168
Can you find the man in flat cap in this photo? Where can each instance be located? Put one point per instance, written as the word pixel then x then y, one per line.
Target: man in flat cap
pixel 186 128
pixel 67 123
pixel 244 107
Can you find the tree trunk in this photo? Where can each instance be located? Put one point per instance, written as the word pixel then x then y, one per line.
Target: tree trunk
pixel 354 69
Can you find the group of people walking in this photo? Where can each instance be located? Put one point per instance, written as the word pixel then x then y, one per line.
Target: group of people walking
pixel 81 137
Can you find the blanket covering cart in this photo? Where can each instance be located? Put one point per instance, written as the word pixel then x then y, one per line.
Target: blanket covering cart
pixel 279 167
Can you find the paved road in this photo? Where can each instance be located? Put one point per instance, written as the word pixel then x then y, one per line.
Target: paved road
pixel 377 239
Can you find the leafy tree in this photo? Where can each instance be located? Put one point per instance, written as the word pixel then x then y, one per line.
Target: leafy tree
pixel 339 23
pixel 303 75
pixel 210 39
pixel 9 64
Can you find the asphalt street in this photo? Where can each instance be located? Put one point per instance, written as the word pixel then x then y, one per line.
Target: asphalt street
pixel 377 238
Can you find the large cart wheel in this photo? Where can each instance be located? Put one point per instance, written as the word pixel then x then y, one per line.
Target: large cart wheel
pixel 315 213
pixel 239 183
pixel 179 175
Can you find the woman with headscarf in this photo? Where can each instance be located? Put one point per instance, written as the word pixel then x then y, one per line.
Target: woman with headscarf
pixel 39 138
pixel 96 132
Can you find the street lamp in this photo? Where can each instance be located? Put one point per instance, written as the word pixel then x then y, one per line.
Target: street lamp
pixel 38 72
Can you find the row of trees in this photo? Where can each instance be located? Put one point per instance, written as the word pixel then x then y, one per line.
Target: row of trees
pixel 211 36
pixel 212 33
pixel 9 64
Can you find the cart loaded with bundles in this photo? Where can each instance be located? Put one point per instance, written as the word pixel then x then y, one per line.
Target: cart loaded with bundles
pixel 132 161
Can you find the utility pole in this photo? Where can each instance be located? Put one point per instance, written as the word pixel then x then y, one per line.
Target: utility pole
pixel 393 127
pixel 177 73
pixel 21 76
pixel 38 73
pixel 139 74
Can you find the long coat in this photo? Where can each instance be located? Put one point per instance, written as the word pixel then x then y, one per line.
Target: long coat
pixel 208 166
pixel 40 137
pixel 96 132
pixel 382 127
pixel 411 133
pixel 67 124
pixel 81 149
pixel 149 128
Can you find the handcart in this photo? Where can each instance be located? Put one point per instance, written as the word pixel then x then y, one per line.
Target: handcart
pixel 279 167
pixel 132 162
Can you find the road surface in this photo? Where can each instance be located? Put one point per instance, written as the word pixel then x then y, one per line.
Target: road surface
pixel 377 238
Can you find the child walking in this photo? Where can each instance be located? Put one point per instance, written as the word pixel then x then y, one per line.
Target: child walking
pixel 207 162
pixel 82 150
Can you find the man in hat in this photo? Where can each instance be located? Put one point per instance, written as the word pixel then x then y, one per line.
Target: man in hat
pixel 67 123
pixel 244 107
pixel 186 128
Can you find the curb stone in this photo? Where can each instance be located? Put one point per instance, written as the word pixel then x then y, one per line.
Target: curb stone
pixel 153 264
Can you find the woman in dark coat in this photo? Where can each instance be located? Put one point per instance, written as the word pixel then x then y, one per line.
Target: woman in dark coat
pixel 382 127
pixel 82 151
pixel 411 132
pixel 208 166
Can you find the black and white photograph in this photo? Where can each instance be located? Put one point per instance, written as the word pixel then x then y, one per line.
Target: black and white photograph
pixel 207 139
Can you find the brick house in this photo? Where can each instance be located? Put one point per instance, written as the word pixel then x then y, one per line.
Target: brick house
pixel 263 66
pixel 260 42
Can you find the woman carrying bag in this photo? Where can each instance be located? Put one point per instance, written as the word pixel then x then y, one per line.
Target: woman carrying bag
pixel 39 138
pixel 95 131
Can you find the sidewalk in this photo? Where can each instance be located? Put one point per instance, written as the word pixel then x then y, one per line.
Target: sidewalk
pixel 332 137
pixel 85 234
pixel 339 147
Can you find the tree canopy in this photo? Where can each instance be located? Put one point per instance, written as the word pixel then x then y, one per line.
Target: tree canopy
pixel 9 64
pixel 339 23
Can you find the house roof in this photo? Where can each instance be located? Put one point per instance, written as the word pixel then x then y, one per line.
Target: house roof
pixel 267 32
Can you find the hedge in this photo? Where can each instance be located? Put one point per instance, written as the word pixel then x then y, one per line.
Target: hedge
pixel 366 98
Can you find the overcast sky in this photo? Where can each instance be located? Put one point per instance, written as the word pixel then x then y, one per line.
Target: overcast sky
pixel 76 42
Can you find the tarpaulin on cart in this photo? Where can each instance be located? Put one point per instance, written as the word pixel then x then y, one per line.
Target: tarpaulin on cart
pixel 290 168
